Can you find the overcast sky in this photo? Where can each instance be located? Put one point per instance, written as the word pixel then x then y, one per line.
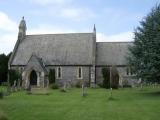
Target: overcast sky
pixel 115 19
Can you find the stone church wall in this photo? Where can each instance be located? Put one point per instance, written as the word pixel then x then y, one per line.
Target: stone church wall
pixel 70 75
pixel 123 77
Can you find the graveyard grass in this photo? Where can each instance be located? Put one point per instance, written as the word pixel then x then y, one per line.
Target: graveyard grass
pixel 127 104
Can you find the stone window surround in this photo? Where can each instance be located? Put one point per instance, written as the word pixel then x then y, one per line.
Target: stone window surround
pixel 79 68
pixel 59 72
pixel 129 71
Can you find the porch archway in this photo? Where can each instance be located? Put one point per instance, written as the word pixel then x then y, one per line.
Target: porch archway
pixel 33 78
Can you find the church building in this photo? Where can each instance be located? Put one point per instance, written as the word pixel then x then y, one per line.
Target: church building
pixel 75 57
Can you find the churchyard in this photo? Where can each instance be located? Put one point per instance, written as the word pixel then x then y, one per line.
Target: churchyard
pixel 125 104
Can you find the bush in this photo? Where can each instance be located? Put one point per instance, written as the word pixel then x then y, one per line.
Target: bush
pixel 54 86
pixel 115 77
pixel 52 77
pixel 14 75
pixel 63 90
pixel 106 72
pixel 4 83
pixel 3 116
pixel 106 77
pixel 1 96
pixel 79 84
pixel 100 85
pixel 127 86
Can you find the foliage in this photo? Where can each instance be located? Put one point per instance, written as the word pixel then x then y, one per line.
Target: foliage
pixel 54 86
pixel 3 116
pixel 52 76
pixel 79 84
pixel 4 67
pixel 106 77
pixel 63 90
pixel 4 83
pixel 3 91
pixel 114 77
pixel 100 85
pixel 145 53
pixel 127 86
pixel 14 75
pixel 1 95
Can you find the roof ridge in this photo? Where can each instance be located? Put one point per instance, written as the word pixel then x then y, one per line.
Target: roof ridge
pixel 118 42
pixel 59 34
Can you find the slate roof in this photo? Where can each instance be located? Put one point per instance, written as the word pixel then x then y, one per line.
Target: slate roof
pixel 112 53
pixel 56 49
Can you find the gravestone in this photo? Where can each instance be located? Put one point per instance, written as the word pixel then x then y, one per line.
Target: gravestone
pixel 14 88
pixel 64 86
pixel 18 84
pixel 84 91
pixel 111 93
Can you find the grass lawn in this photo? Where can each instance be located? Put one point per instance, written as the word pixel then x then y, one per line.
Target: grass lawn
pixel 128 104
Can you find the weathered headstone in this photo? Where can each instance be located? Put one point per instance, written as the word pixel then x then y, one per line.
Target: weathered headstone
pixel 64 86
pixel 141 85
pixel 84 91
pixel 14 86
pixel 69 84
pixel 29 89
pixel 19 84
pixel 111 93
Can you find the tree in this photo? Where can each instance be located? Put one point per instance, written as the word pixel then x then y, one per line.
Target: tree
pixel 110 77
pixel 114 77
pixel 106 77
pixel 4 67
pixel 14 76
pixel 144 55
pixel 52 76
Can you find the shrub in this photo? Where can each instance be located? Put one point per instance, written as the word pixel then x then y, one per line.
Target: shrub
pixel 14 75
pixel 100 85
pixel 52 77
pixel 1 96
pixel 87 83
pixel 54 86
pixel 115 78
pixel 3 116
pixel 63 90
pixel 79 84
pixel 106 77
pixel 4 83
pixel 114 82
pixel 127 86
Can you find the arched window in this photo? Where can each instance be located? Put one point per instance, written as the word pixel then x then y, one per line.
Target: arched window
pixel 127 70
pixel 79 73
pixel 59 72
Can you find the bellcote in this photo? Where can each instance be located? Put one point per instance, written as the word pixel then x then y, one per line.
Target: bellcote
pixel 94 32
pixel 22 29
pixel 94 29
